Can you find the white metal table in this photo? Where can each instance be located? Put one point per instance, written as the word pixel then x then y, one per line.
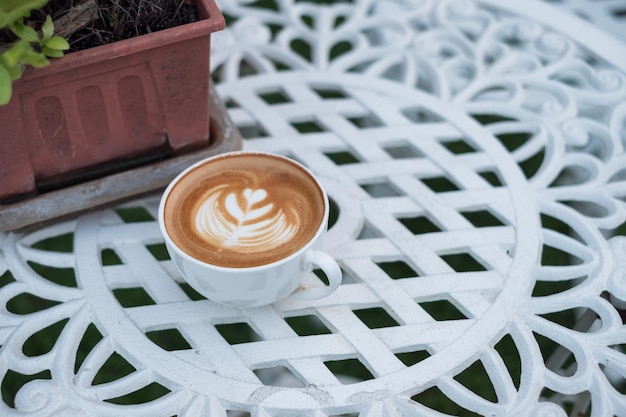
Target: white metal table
pixel 474 155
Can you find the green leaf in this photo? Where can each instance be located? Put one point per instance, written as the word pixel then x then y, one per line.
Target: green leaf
pixel 13 56
pixel 47 29
pixel 13 10
pixel 16 72
pixel 52 53
pixel 58 43
pixel 6 86
pixel 34 58
pixel 25 32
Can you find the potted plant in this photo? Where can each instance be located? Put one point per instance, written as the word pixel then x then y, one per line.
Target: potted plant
pixel 107 107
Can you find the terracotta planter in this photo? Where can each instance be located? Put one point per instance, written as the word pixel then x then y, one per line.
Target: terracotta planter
pixel 109 107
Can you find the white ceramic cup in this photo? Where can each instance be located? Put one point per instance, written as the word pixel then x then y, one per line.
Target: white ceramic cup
pixel 257 285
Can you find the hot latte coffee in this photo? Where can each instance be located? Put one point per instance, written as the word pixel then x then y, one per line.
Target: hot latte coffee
pixel 244 210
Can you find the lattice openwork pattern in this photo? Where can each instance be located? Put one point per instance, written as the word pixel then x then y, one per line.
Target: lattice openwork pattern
pixel 474 161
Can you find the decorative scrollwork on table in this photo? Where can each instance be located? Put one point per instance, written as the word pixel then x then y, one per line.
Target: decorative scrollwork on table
pixel 475 162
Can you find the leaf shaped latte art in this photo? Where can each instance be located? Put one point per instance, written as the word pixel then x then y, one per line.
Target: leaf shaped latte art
pixel 244 220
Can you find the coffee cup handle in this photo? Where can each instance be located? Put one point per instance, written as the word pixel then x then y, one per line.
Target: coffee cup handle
pixel 330 268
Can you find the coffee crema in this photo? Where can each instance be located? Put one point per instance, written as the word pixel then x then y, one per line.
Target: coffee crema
pixel 244 210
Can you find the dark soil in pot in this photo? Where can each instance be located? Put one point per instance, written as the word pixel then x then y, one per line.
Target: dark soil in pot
pixel 89 23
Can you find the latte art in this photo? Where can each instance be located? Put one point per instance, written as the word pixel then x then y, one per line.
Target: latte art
pixel 245 220
pixel 244 210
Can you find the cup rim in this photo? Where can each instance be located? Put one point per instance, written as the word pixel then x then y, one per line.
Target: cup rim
pixel 320 229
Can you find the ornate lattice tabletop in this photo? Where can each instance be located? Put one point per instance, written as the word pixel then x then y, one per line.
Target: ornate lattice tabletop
pixel 474 155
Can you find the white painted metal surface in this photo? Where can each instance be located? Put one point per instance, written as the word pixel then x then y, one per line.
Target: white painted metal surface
pixel 609 15
pixel 475 157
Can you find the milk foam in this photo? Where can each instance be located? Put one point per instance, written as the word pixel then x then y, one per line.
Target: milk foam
pixel 244 211
pixel 245 220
